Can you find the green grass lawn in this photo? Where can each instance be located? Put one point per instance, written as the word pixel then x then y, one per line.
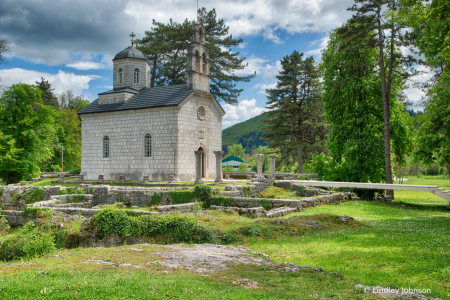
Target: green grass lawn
pixel 402 244
pixel 423 198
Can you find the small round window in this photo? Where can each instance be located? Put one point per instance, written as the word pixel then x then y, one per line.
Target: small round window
pixel 201 113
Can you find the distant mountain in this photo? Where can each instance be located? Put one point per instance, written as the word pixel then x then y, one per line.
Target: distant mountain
pixel 247 133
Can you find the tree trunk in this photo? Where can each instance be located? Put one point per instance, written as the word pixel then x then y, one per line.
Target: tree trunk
pixel 386 110
pixel 152 83
pixel 300 159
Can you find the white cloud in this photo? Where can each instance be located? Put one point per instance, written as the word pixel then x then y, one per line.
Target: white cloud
pixel 416 95
pixel 51 34
pixel 263 86
pixel 255 64
pixel 61 82
pixel 323 42
pixel 270 72
pixel 245 110
pixel 86 65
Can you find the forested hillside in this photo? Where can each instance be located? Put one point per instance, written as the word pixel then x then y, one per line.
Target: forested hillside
pixel 247 133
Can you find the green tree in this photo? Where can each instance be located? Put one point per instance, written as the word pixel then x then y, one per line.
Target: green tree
pixel 236 150
pixel 27 121
pixel 48 96
pixel 373 28
pixel 296 118
pixel 430 28
pixel 433 139
pixel 70 101
pixel 166 45
pixel 351 98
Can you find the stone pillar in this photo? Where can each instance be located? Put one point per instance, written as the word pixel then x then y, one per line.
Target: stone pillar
pixel 61 177
pixel 171 179
pixel 100 178
pixel 272 166
pixel 122 179
pixel 259 158
pixel 146 178
pixel 198 167
pixel 80 177
pixel 219 176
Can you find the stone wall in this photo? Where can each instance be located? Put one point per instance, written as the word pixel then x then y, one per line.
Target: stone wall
pixel 194 133
pixel 136 196
pixel 298 204
pixel 114 98
pixel 260 183
pixel 128 65
pixel 176 133
pixel 126 131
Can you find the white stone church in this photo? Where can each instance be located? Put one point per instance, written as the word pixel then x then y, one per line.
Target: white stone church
pixel 138 131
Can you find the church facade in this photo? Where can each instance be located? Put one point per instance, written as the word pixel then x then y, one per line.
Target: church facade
pixel 138 131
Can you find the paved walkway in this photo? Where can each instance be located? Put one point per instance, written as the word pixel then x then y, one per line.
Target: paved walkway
pixel 434 189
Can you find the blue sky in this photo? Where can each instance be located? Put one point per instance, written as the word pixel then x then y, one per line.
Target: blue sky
pixel 72 43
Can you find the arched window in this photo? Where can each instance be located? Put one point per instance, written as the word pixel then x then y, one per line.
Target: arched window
pixel 147 145
pixel 204 63
pixel 105 146
pixel 197 61
pixel 120 75
pixel 136 75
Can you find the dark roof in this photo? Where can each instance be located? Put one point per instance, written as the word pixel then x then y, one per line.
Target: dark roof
pixel 130 53
pixel 146 98
pixel 235 158
pixel 120 90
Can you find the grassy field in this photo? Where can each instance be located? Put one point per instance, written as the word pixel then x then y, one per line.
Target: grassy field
pixel 423 198
pixel 402 244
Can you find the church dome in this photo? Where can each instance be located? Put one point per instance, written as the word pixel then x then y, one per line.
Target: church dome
pixel 131 52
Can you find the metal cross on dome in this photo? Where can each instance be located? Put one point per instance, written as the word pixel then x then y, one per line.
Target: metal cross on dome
pixel 132 35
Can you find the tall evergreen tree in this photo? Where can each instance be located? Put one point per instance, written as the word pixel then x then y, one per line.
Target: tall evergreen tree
pixel 166 46
pixel 48 96
pixel 296 117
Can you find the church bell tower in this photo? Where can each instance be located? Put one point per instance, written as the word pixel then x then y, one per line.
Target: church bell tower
pixel 198 61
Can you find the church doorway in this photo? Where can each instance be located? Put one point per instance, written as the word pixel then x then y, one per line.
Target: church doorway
pixel 202 161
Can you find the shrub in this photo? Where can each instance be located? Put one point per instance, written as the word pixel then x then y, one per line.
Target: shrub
pixel 266 203
pixel 202 192
pixel 29 226
pixel 251 230
pixel 79 191
pixel 180 229
pixel 303 177
pixel 227 169
pixel 39 244
pixel 34 195
pixel 4 226
pixel 33 210
pixel 247 190
pixel 230 237
pixel 219 201
pixel 180 197
pixel 12 249
pixel 1 191
pixel 113 221
pixel 156 198
pixel 75 171
pixel 33 245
